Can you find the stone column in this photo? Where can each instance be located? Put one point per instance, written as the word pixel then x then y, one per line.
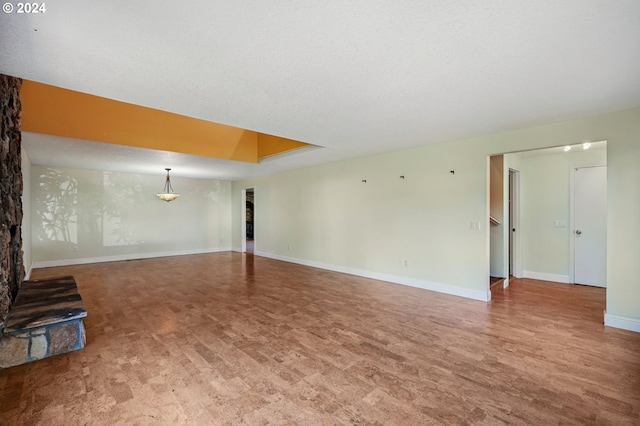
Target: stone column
pixel 11 266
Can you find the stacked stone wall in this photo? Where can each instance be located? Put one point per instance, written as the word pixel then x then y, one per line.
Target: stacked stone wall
pixel 11 263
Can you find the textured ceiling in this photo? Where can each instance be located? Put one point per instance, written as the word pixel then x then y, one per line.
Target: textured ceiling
pixel 357 78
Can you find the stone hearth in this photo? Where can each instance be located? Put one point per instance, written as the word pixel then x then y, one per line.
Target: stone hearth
pixel 45 320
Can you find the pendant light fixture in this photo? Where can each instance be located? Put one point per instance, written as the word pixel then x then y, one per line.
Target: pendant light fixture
pixel 168 194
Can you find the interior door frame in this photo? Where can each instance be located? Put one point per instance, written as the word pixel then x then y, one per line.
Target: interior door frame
pixel 572 211
pixel 243 220
pixel 513 253
pixel 510 217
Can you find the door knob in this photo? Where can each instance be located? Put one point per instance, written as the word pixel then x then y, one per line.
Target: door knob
pixel 578 232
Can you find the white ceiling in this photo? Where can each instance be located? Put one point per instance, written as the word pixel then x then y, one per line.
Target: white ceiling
pixel 355 77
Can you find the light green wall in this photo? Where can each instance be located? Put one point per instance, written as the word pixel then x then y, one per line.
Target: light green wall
pixel 545 187
pixel 326 214
pixel 623 220
pixel 329 217
pixel 110 215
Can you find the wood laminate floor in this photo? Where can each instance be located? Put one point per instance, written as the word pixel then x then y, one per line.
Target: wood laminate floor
pixel 229 338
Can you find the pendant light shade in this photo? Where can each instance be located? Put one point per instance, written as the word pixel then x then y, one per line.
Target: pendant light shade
pixel 168 194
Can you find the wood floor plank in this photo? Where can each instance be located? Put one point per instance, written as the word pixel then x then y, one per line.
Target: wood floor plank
pixel 229 338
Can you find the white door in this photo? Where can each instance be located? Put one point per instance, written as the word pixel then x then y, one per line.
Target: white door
pixel 590 226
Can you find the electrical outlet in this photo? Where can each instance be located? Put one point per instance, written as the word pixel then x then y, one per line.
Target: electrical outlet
pixel 474 226
pixel 405 263
pixel 75 249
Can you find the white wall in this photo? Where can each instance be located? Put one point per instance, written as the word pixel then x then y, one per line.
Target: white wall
pixel 330 219
pixel 26 214
pixel 545 188
pixel 80 216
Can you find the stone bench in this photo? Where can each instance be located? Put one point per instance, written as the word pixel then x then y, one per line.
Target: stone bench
pixel 44 320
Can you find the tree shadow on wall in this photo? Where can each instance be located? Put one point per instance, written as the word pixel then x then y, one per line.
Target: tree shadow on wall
pixel 121 208
pixel 56 205
pixel 98 207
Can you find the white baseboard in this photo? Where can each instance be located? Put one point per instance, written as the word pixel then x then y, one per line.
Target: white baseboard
pixel 120 257
pixel 27 274
pixel 483 296
pixel 564 279
pixel 625 323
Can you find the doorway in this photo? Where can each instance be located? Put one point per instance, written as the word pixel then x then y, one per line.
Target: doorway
pixel 504 218
pixel 247 220
pixel 249 206
pixel 541 240
pixel 513 207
